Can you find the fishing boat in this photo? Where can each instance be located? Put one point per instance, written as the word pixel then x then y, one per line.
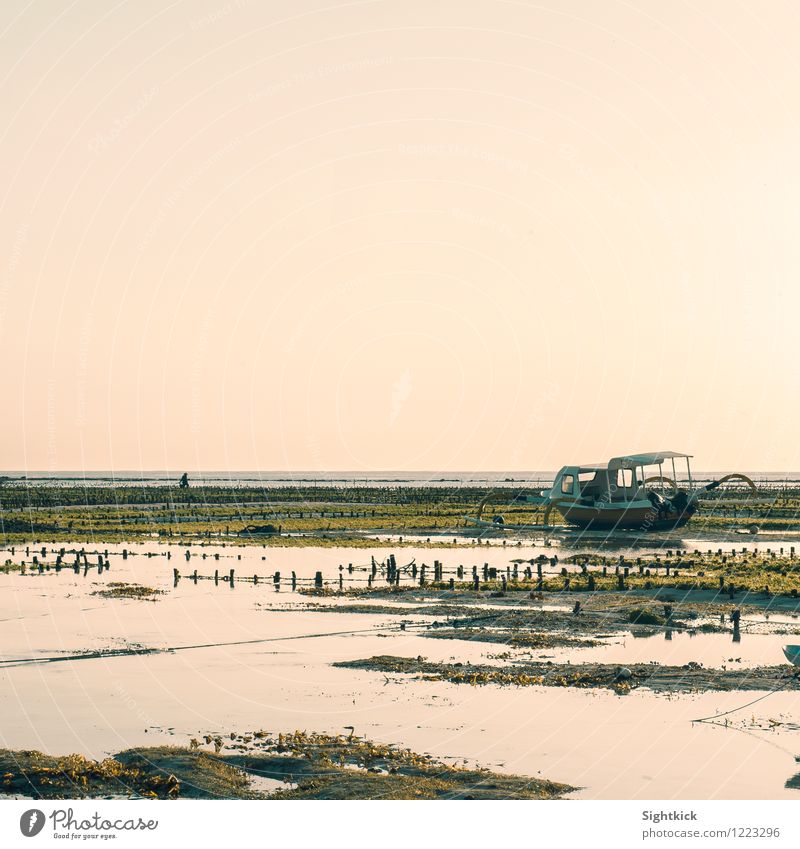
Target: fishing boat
pixel 792 654
pixel 634 491
pixel 621 494
pixel 641 492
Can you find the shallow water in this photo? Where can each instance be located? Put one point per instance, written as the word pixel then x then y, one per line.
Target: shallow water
pixel 237 664
pixel 675 648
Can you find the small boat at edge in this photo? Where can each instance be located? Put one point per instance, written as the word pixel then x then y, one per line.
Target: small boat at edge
pixel 631 492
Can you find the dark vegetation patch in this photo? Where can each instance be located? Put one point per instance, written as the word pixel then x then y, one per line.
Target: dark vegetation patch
pixel 512 639
pixel 640 616
pixel 313 766
pixel 116 589
pixel 322 766
pixel 692 677
pixel 157 773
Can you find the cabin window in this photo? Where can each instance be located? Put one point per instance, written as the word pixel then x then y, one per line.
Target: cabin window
pixel 590 484
pixel 625 478
pixel 566 484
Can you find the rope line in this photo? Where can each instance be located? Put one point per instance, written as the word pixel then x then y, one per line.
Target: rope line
pixel 98 655
pixel 753 702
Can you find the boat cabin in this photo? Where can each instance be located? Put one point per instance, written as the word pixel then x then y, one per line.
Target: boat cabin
pixel 621 480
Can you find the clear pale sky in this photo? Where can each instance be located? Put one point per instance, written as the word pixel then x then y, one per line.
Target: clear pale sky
pixel 398 235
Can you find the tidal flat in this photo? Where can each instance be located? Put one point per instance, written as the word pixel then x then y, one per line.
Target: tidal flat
pixel 589 680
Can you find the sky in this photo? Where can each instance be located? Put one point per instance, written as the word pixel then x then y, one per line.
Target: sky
pixel 398 235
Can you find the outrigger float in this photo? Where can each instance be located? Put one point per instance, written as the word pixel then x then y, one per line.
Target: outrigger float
pixel 792 654
pixel 626 493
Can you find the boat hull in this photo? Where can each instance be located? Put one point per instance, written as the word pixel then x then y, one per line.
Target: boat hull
pixel 610 517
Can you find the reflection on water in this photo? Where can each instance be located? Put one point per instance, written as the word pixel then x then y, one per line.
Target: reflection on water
pixel 736 633
pixel 670 646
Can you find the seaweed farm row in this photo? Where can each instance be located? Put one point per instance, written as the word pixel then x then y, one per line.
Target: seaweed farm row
pixel 766 570
pixel 295 516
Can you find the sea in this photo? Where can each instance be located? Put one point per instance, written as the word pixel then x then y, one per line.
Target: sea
pixel 347 478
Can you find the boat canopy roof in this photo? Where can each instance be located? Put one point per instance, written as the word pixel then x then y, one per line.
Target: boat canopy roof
pixel 631 461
